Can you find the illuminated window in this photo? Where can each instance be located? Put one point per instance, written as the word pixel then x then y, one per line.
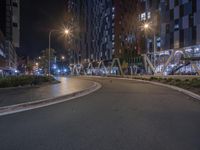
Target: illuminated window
pixel 143 17
pixel 113 9
pixel 113 16
pixel 148 15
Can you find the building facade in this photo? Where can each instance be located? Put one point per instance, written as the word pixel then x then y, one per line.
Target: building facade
pixel 115 28
pixel 94 19
pixel 180 23
pixel 177 48
pixel 10 31
pixel 10 20
pixel 2 53
pixel 73 22
pixel 103 28
pixel 102 31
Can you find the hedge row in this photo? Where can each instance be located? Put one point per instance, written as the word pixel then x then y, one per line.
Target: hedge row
pixel 187 83
pixel 15 81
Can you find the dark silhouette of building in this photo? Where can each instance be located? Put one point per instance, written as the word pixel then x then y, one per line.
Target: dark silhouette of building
pixel 10 31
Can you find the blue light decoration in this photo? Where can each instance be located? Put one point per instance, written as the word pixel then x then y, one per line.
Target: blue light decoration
pixel 65 70
pixel 54 66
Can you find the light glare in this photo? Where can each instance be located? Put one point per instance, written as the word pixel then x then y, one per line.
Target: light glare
pixel 66 31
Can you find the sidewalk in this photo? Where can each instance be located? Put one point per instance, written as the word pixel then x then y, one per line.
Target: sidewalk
pixel 22 95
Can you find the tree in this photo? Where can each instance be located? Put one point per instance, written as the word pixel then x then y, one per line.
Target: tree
pixel 44 59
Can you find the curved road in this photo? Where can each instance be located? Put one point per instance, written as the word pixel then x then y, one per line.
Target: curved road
pixel 123 115
pixel 29 94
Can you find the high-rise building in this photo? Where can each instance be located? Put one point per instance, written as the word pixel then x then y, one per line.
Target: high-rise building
pixel 96 29
pixel 176 27
pixel 127 28
pixel 180 23
pixel 2 54
pixel 115 28
pixel 10 29
pixel 10 20
pixel 102 28
pixel 74 16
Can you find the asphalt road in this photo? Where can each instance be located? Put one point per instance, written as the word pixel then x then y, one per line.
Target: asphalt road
pixel 123 115
pixel 22 95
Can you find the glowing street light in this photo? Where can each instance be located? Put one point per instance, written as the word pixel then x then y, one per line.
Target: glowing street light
pixel 66 32
pixel 146 26
pixel 63 57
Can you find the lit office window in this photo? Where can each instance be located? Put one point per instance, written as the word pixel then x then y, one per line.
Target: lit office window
pixel 148 15
pixel 113 9
pixel 143 16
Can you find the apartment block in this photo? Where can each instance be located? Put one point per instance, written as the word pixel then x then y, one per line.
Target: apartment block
pixel 10 32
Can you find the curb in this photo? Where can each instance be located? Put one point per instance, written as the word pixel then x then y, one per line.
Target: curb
pixel 27 86
pixel 47 102
pixel 186 92
pixel 189 93
pixel 19 87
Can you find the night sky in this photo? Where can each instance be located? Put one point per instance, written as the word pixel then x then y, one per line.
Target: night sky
pixel 37 18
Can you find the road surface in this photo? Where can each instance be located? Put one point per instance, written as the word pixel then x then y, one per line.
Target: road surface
pixel 123 115
pixel 22 95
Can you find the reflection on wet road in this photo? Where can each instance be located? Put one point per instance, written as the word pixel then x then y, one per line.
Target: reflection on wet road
pixel 67 86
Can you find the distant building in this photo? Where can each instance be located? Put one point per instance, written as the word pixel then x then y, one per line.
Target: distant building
pixel 176 27
pixel 10 29
pixel 115 28
pixel 2 53
pixel 97 28
pixel 127 28
pixel 175 23
pixel 180 23
pixel 101 30
pixel 104 28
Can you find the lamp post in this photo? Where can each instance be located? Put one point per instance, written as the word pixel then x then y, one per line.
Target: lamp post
pixel 66 32
pixel 148 27
pixel 62 59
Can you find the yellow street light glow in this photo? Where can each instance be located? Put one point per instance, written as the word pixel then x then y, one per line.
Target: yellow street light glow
pixel 146 25
pixel 66 31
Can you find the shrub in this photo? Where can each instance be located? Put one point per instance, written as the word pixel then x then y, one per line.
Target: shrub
pixel 177 80
pixel 186 80
pixel 195 82
pixel 153 78
pixel 15 81
pixel 159 79
pixel 169 79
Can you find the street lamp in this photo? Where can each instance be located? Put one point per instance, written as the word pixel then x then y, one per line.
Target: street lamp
pixel 66 32
pixel 146 27
pixel 63 57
